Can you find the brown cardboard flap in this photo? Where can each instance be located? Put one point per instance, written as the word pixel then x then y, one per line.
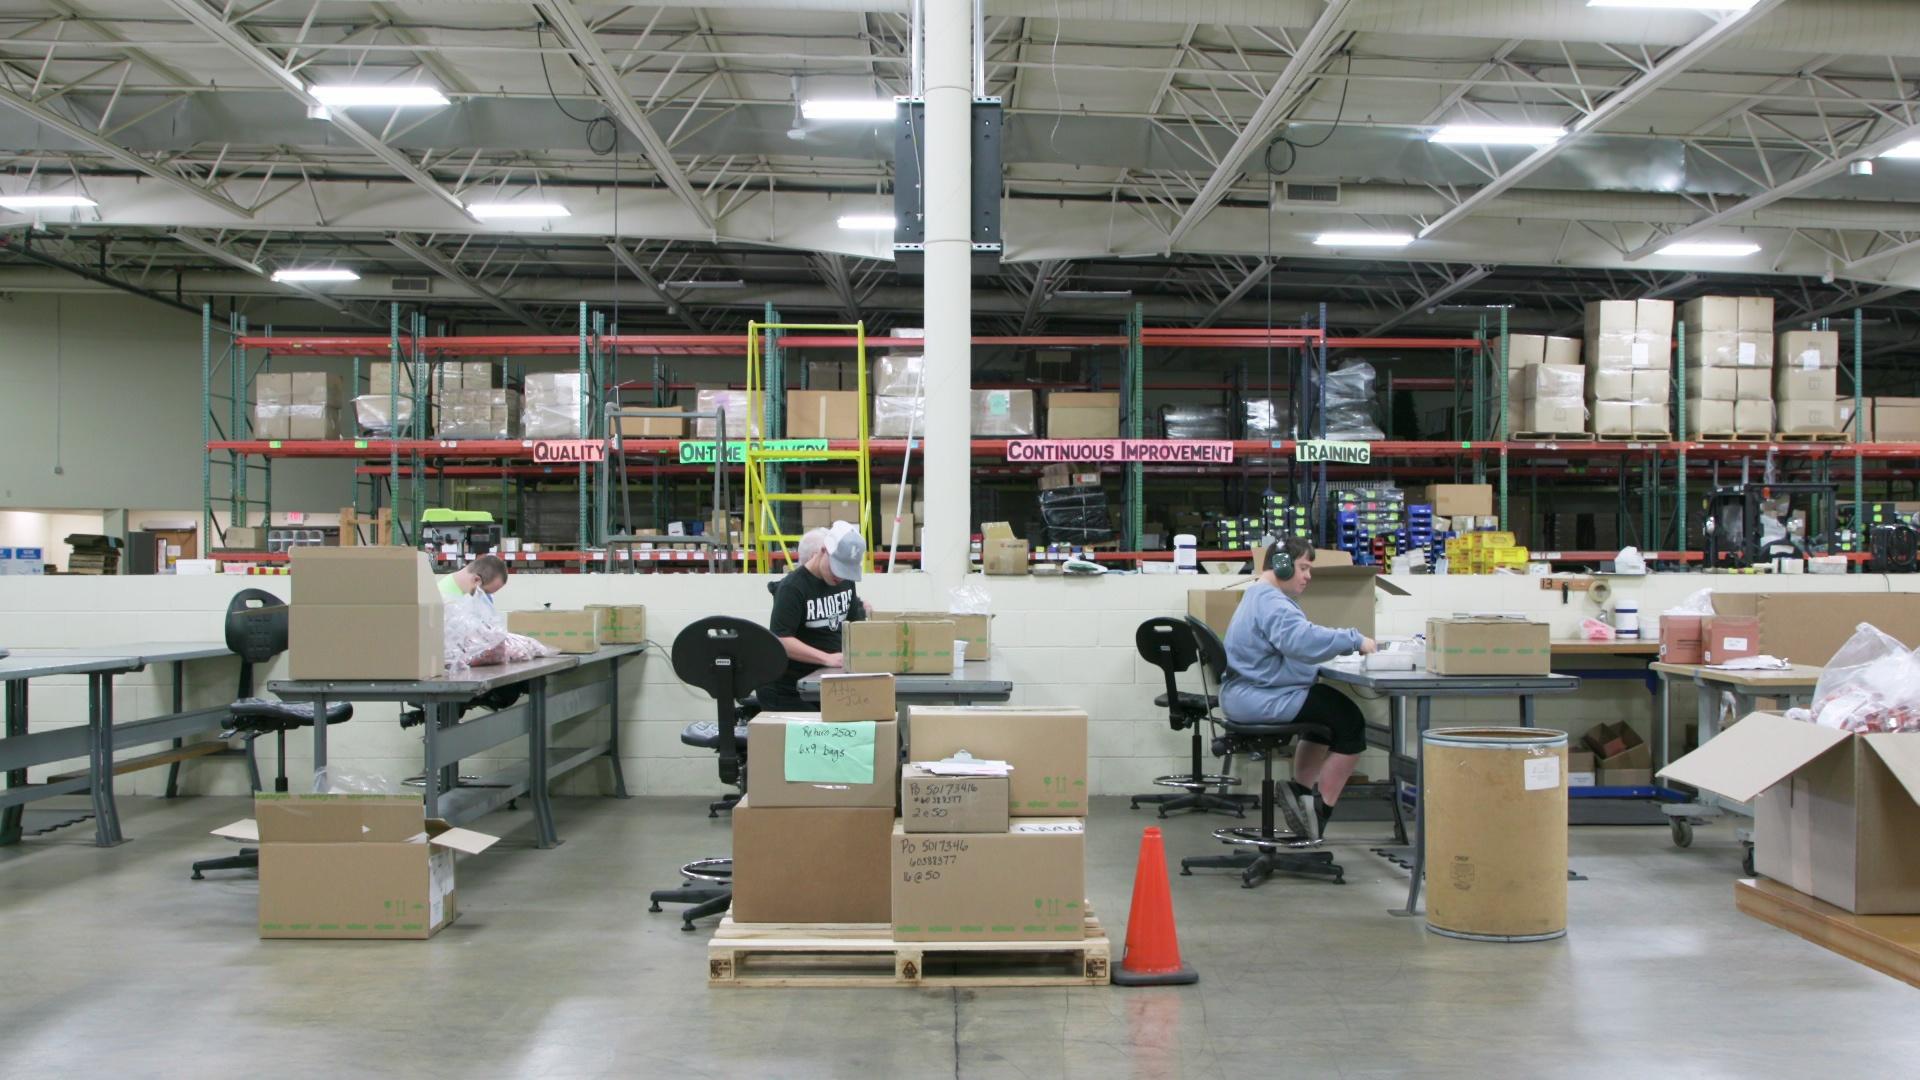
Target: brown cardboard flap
pixel 338 819
pixel 1901 754
pixel 1753 755
pixel 246 830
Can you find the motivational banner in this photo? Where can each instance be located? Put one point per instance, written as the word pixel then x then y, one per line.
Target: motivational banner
pixel 1162 451
pixel 549 451
pixel 701 453
pixel 1345 453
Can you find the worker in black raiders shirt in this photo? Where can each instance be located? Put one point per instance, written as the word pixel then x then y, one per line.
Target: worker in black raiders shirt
pixel 809 606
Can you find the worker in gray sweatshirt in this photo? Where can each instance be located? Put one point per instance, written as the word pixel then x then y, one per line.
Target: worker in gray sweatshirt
pixel 1274 653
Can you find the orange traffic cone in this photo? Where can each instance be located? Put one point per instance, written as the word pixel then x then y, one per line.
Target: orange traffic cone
pixel 1153 945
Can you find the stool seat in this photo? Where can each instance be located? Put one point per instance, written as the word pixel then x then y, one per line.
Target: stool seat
pixel 706 734
pixel 1188 709
pixel 270 714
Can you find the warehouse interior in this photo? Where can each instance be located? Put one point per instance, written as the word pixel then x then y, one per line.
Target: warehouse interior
pixel 1554 363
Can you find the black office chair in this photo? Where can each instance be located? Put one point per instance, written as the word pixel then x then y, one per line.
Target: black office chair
pixel 1168 644
pixel 256 631
pixel 1270 852
pixel 727 658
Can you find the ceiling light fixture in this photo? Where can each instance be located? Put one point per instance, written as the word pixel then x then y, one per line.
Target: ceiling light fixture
pixel 840 109
pixel 1362 239
pixel 1905 151
pixel 707 283
pixel 1710 249
pixel 44 202
pixel 312 274
pixel 509 210
pixel 1497 135
pixel 1093 294
pixel 396 97
pixel 1863 167
pixel 867 221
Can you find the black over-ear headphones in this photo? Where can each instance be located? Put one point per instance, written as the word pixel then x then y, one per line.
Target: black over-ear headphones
pixel 1281 562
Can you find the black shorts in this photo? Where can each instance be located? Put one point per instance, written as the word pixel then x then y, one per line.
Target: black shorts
pixel 1341 716
pixel 784 696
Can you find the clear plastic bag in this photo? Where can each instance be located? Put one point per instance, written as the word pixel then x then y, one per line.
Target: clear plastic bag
pixel 1349 397
pixel 1871 685
pixel 1698 602
pixel 969 600
pixel 330 780
pixel 477 636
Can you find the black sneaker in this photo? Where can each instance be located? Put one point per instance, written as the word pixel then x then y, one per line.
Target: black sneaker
pixel 1306 802
pixel 1322 813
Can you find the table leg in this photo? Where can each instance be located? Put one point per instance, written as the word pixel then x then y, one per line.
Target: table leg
pixel 1663 725
pixel 430 779
pixel 1526 710
pixel 106 816
pixel 1423 716
pixel 1397 732
pixel 173 770
pixel 545 836
pixel 319 741
pixel 16 706
pixel 613 731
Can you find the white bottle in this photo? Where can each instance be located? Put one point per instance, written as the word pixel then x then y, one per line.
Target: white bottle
pixel 1186 554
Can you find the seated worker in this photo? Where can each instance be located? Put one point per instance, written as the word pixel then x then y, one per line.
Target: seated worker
pixel 1273 656
pixel 483 576
pixel 809 606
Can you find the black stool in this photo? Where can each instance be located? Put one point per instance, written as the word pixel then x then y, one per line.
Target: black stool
pixel 728 658
pixel 1168 644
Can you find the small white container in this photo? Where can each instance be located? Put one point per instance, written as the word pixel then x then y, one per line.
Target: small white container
pixel 959 655
pixel 1186 554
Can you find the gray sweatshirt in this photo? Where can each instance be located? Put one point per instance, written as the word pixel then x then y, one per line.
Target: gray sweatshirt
pixel 1274 653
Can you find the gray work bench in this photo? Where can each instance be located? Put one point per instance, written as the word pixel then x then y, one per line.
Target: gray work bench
pixel 101 736
pixel 449 739
pixel 979 681
pixel 1406 767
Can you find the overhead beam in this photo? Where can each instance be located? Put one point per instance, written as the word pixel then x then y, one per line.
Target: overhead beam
pixel 1669 68
pixel 566 21
pixel 645 277
pixel 1234 295
pixel 1039 292
pixel 433 260
pixel 243 45
pixel 1467 279
pixel 1884 253
pixel 833 271
pixel 1267 117
pixel 1848 303
pixel 71 130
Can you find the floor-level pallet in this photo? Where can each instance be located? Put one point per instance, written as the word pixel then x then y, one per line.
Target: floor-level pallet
pixel 1885 943
pixel 865 955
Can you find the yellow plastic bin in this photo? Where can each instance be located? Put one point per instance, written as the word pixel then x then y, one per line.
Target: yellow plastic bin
pixel 1496 833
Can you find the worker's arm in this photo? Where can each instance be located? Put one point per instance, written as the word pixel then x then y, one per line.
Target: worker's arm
pixel 807 654
pixel 1299 638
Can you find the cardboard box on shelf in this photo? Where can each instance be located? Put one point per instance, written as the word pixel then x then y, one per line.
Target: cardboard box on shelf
pixel 1806 417
pixel 1611 317
pixel 823 414
pixel 1710 314
pixel 897 417
pixel 1562 352
pixel 1450 499
pixel 1807 350
pixel 1215 607
pixel 822 515
pixel 1860 426
pixel 829 375
pixel 742 416
pixel 1083 415
pixel 1025 884
pixel 1709 417
pixel 364 613
pixel 1623 777
pixel 1046 745
pixel 853 697
pixel 621 624
pixel 1713 349
pixel 802 759
pixel 1794 384
pixel 380 378
pixel 1056 476
pixel 1896 419
pixel 1653 319
pixel 1753 384
pixel 975 630
pixel 898 374
pixel 1003 413
pixel 890 498
pixel 1756 313
pixel 1728 637
pixel 654 427
pixel 812 864
pixel 1834 813
pixel 952 804
pixel 1580 768
pixel 353 866
pixel 1522 349
pixel 1713 383
pixel 563 631
pixel 1753 349
pixel 1682 639
pixel 1650 419
pixel 1652 387
pixel 898 648
pixel 1753 417
pixel 1479 645
pixel 1556 415
pixel 1610 384
pixel 1001 553
pixel 1611 417
pixel 1546 381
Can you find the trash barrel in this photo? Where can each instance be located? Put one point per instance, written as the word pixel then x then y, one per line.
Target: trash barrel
pixel 1496 826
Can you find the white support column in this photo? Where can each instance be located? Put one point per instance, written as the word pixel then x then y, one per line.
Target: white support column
pixel 948 297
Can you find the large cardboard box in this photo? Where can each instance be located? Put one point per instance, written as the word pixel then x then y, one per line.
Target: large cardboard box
pixel 1551 415
pixel 1795 384
pixel 811 864
pixel 1343 595
pixel 562 631
pixel 800 759
pixel 1522 349
pixel 1025 884
pixel 1753 349
pixel 1621 758
pixel 1756 313
pixel 1482 645
pixel 952 804
pixel 1713 348
pixel 1652 387
pixel 1452 499
pixel 1610 384
pixel 1807 350
pixel 1860 426
pixel 822 515
pixel 1896 419
pixel 1562 352
pixel 823 414
pixel 1083 416
pixel 1547 381
pixel 364 613
pixel 830 375
pixel 1709 418
pixel 1753 384
pixel 975 630
pixel 1808 628
pixel 1003 413
pixel 1046 745
pixel 1215 607
pixel 1713 383
pixel 1710 313
pixel 354 866
pixel 1834 813
pixel 1728 637
pixel 665 426
pixel 898 374
pixel 898 648
pixel 1651 419
pixel 1806 417
pixel 742 415
pixel 621 624
pixel 848 697
pixel 1753 417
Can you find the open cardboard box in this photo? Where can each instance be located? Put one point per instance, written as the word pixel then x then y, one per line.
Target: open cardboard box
pixel 1809 627
pixel 1341 594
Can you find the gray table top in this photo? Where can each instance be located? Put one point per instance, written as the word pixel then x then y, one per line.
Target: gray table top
pixel 460 686
pixel 1426 682
pixel 146 652
pixel 21 665
pixel 978 677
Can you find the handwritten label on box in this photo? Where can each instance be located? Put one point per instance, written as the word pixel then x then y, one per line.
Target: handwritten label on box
pixel 830 753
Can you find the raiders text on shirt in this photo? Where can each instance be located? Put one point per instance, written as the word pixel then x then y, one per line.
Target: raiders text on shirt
pixel 828 612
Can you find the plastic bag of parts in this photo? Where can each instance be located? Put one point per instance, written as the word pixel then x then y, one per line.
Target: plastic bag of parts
pixel 1194 422
pixel 1266 419
pixel 1596 630
pixel 1076 515
pixel 1349 397
pixel 1698 602
pixel 969 600
pixel 1629 561
pixel 477 636
pixel 332 780
pixel 543 419
pixel 1871 685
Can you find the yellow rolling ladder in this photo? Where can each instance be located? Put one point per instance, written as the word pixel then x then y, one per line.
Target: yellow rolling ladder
pixel 761 524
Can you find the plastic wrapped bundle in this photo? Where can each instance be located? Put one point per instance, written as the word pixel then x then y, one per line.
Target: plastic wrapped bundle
pixel 1195 422
pixel 1076 515
pixel 375 413
pixel 552 405
pixel 897 375
pixel 479 414
pixel 1267 419
pixel 899 417
pixel 1349 397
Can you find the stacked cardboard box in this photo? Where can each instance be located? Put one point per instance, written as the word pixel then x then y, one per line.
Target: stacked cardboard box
pixel 478 414
pixel 823 414
pixel 1894 420
pixel 1083 416
pixel 830 375
pixel 899 402
pixel 575 631
pixel 1806 382
pixel 552 408
pixel 462 375
pixel 1003 413
pixel 364 613
pixel 742 416
pixel 822 515
pixel 1629 348
pixel 296 405
pixel 1729 374
pixel 896 500
pixel 1547 399
pixel 667 425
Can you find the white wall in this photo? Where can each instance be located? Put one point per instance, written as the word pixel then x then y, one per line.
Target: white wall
pixel 1066 642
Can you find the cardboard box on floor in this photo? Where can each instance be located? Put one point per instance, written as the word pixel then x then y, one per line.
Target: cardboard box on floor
pixel 952 804
pixel 1834 813
pixel 899 648
pixel 811 864
pixel 621 624
pixel 364 613
pixel 1620 758
pixel 564 631
pixel 1808 628
pixel 353 866
pixel 772 786
pixel 1025 884
pixel 1484 645
pixel 1046 745
pixel 976 630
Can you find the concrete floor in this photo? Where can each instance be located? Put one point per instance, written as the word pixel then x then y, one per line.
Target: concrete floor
pixel 116 964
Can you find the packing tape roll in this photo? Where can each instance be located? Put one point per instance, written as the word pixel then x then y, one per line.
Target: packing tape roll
pixel 1600 592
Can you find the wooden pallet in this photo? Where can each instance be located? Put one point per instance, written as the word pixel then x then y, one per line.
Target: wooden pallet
pixel 1551 436
pixel 1641 436
pixel 1730 436
pixel 865 955
pixel 1886 943
pixel 1812 436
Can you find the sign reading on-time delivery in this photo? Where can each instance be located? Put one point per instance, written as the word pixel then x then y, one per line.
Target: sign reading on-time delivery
pixel 1341 453
pixel 1164 451
pixel 694 452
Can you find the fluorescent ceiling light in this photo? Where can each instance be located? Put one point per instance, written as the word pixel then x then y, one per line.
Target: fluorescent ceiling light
pixel 1676 5
pixel 399 97
pixel 860 109
pixel 1709 249
pixel 1093 294
pixel 502 211
pixel 315 274
pixel 704 283
pixel 1362 239
pixel 867 221
pixel 1498 135
pixel 43 202
pixel 1904 150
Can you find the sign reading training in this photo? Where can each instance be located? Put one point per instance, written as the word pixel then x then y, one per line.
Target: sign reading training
pixel 1163 451
pixel 1342 453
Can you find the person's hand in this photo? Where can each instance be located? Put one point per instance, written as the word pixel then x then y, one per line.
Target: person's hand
pixel 838 660
pixel 1367 647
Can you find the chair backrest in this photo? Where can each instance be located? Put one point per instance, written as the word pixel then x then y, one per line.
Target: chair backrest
pixel 728 658
pixel 256 631
pixel 1167 643
pixel 1213 654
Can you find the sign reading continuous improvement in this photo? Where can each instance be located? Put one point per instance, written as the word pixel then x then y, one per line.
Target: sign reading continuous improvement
pixel 1164 451
pixel 701 453
pixel 1340 453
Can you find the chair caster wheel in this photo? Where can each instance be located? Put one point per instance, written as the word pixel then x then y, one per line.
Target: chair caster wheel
pixel 687 929
pixel 1184 872
pixel 653 907
pixel 197 876
pixel 1341 880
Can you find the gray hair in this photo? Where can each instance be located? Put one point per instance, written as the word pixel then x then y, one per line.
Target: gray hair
pixel 812 543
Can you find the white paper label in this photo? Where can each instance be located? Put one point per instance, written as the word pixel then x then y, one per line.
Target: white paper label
pixel 1810 360
pixel 1542 773
pixel 1579 779
pixel 1736 644
pixel 1642 356
pixel 439 885
pixel 1749 355
pixel 1067 828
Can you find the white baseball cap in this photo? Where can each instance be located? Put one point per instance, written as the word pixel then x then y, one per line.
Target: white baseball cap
pixel 846 550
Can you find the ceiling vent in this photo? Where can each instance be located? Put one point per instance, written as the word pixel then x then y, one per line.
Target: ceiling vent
pixel 1322 194
pixel 415 285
